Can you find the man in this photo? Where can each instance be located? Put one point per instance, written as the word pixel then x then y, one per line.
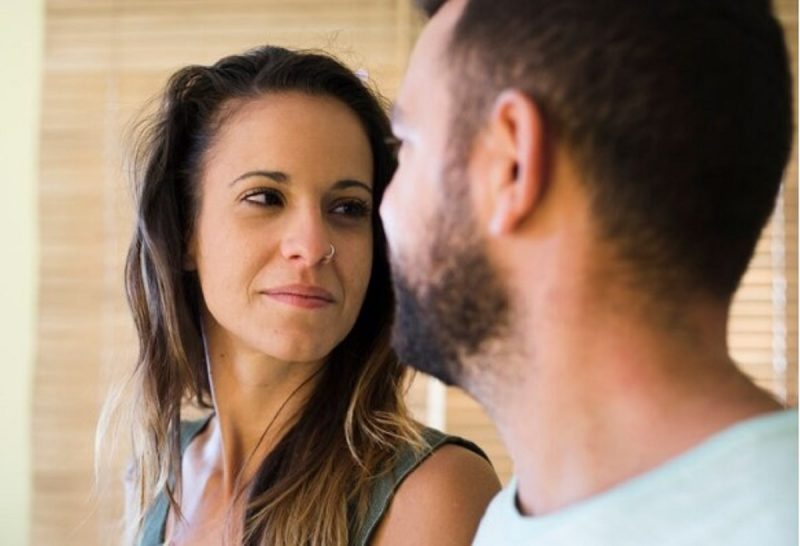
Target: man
pixel 581 186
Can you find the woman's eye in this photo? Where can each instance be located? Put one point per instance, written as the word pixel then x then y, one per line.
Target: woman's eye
pixel 352 208
pixel 264 197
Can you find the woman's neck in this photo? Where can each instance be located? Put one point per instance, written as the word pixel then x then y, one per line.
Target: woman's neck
pixel 257 399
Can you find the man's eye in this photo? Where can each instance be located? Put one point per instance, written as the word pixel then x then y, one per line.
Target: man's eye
pixel 394 144
pixel 352 208
pixel 264 197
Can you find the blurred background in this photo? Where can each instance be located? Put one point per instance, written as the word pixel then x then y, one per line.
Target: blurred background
pixel 75 75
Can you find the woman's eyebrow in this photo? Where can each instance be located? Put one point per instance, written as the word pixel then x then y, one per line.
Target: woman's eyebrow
pixel 347 183
pixel 276 176
pixel 283 178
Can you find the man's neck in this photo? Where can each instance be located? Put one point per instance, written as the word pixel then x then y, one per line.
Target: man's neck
pixel 606 401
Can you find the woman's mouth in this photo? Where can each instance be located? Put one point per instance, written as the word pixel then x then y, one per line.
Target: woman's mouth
pixel 305 296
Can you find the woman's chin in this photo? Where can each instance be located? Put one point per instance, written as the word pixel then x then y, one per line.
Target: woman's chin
pixel 303 351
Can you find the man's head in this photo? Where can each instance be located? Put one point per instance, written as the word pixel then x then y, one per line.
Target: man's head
pixel 676 113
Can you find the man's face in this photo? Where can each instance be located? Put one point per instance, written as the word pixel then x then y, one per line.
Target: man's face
pixel 449 298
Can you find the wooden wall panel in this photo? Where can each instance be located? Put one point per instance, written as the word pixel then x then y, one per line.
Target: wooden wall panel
pixel 787 12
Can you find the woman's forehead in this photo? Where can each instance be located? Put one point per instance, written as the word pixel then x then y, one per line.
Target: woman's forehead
pixel 305 137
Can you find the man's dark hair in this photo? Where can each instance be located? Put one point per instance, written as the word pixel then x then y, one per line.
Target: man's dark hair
pixel 677 111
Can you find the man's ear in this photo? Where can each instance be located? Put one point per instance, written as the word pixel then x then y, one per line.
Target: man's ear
pixel 516 131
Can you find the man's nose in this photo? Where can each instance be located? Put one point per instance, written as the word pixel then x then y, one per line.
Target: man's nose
pixel 386 210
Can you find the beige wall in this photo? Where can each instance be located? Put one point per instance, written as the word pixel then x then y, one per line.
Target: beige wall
pixel 20 59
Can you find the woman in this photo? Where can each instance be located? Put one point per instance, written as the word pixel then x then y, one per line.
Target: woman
pixel 259 285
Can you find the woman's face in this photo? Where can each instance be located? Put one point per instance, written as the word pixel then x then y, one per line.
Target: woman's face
pixel 287 176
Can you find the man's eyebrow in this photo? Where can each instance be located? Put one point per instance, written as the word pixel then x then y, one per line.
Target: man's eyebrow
pixel 276 176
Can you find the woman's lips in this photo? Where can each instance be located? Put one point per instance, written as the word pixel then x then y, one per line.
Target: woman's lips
pixel 301 295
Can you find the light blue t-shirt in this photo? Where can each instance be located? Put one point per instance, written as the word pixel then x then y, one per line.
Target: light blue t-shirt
pixel 738 488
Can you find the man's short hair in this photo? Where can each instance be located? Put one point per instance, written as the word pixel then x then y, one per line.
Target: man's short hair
pixel 678 113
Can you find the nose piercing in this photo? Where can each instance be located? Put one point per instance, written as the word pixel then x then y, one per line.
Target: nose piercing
pixel 329 256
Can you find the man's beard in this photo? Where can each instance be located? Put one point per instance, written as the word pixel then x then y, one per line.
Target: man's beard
pixel 458 302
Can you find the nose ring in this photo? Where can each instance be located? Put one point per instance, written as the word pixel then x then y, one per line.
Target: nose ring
pixel 327 258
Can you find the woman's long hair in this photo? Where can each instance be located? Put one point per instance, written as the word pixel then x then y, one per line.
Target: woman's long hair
pixel 314 487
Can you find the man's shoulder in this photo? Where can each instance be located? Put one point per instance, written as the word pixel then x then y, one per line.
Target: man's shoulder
pixel 739 486
pixel 750 493
pixel 502 523
pixel 762 446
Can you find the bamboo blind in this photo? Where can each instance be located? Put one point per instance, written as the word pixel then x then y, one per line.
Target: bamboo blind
pixel 103 60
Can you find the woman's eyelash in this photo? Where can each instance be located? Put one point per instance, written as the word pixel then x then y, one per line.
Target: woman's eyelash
pixel 264 197
pixel 268 197
pixel 354 208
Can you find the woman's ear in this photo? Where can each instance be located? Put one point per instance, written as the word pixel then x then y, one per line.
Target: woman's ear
pixel 189 258
pixel 516 135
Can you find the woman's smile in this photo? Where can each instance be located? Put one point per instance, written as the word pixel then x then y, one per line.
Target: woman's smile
pixel 305 296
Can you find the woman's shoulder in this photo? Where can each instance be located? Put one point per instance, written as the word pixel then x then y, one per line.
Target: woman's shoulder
pixel 413 455
pixel 433 439
pixel 190 428
pixel 443 491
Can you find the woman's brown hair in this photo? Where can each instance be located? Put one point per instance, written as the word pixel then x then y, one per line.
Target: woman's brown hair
pixel 314 486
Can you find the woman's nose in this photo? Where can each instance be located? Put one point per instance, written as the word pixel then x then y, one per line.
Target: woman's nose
pixel 307 241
